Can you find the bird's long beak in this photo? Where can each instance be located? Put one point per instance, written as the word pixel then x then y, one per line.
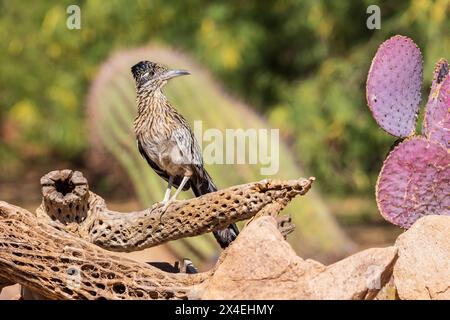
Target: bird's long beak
pixel 174 73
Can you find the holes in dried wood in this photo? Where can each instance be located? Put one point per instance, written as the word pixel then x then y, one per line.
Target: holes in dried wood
pixel 110 275
pixel 100 286
pixel 72 271
pixel 139 294
pixel 88 267
pixel 64 186
pixel 104 264
pixel 169 295
pixel 67 290
pixel 56 280
pixel 119 288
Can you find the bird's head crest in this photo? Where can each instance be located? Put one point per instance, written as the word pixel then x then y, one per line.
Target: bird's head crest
pixel 154 74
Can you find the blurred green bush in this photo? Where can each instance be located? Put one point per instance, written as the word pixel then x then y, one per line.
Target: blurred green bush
pixel 303 63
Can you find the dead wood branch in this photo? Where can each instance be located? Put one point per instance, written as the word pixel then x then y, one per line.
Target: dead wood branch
pixel 69 205
pixel 56 253
pixel 59 265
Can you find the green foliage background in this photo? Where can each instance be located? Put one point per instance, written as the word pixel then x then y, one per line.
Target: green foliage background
pixel 303 64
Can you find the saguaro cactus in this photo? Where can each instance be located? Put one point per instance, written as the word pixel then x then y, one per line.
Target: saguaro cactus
pixel 415 178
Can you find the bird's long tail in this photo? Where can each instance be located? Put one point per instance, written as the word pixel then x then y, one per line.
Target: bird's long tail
pixel 203 184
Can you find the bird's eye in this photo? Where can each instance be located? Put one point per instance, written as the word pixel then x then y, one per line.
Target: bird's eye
pixel 148 74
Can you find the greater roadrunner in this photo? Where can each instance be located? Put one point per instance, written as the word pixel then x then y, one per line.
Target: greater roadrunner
pixel 166 141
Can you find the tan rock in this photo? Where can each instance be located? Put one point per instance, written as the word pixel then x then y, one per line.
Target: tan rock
pixel 262 265
pixel 388 292
pixel 357 277
pixel 423 267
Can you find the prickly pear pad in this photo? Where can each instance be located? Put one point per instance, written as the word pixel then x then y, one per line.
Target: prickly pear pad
pixel 436 124
pixel 393 85
pixel 414 181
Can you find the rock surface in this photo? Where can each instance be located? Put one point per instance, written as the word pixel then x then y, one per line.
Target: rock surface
pixel 261 265
pixel 423 267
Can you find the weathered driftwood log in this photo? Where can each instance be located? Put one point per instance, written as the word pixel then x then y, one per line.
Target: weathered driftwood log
pixel 59 265
pixel 69 205
pixel 56 252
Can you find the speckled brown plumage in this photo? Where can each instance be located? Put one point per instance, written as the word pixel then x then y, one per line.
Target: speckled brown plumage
pixel 166 141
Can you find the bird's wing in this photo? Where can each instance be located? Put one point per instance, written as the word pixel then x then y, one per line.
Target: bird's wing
pixel 152 164
pixel 187 145
pixel 163 174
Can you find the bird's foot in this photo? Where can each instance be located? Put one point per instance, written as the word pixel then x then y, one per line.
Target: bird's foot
pixel 165 205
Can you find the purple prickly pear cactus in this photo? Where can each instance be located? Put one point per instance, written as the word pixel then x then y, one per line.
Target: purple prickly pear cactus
pixel 414 182
pixel 440 73
pixel 393 86
pixel 415 178
pixel 436 123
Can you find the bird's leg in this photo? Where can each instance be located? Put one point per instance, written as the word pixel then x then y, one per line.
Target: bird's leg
pixel 180 188
pixel 169 189
pixel 174 197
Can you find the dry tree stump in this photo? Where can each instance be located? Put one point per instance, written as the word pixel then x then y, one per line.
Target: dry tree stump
pixel 64 250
